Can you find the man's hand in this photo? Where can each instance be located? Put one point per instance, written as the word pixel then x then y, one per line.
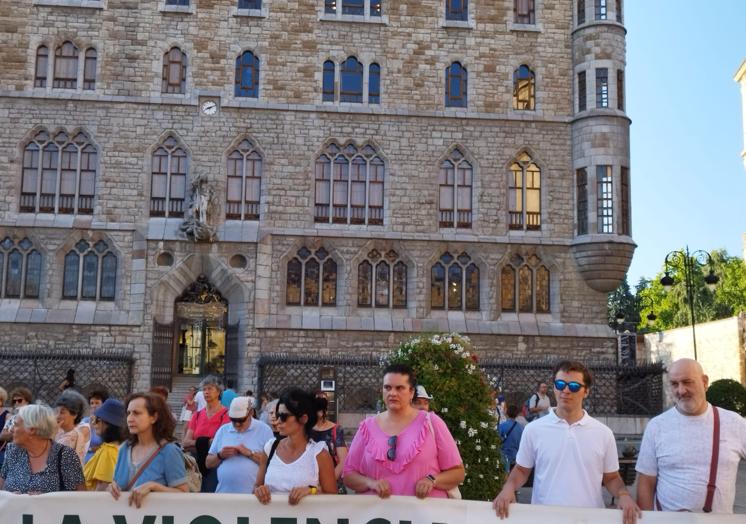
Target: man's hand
pixel 504 499
pixel 243 450
pixel 630 510
pixel 228 451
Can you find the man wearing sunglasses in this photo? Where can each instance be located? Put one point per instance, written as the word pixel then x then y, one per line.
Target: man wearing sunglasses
pixel 675 464
pixel 572 454
pixel 236 448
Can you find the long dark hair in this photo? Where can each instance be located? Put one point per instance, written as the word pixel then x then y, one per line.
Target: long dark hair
pixel 165 424
pixel 111 433
pixel 299 403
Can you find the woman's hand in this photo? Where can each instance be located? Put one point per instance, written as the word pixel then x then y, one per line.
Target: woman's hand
pixel 114 490
pixel 381 487
pixel 297 493
pixel 262 494
pixel 138 494
pixel 423 487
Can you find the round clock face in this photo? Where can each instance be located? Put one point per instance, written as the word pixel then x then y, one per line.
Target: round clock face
pixel 209 107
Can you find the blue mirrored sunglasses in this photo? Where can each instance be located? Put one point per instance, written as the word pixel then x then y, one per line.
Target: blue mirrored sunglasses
pixel 573 386
pixel 391 453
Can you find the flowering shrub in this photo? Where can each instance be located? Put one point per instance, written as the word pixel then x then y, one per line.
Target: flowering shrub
pixel 447 367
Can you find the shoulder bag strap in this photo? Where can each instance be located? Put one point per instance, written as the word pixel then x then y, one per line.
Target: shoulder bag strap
pixel 60 479
pixel 713 460
pixel 274 448
pixel 515 423
pixel 142 468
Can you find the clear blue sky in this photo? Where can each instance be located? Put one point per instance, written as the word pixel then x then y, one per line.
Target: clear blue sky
pixel 688 178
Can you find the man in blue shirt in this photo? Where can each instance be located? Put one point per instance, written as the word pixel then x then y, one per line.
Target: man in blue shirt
pixel 229 394
pixel 510 433
pixel 237 446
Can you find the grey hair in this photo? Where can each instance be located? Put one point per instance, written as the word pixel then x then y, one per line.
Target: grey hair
pixel 74 402
pixel 212 380
pixel 40 417
pixel 3 396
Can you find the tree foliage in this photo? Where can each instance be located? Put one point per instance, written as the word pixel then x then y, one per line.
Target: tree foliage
pixel 728 394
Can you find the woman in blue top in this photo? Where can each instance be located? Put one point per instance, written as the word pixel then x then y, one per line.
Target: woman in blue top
pixel 148 460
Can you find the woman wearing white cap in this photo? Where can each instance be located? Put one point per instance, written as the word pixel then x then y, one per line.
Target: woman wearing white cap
pixel 237 447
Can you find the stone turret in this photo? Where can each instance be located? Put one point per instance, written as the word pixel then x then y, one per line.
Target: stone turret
pixel 602 244
pixel 741 79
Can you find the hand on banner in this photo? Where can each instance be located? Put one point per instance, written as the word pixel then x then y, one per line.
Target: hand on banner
pixel 262 494
pixel 423 487
pixel 382 487
pixel 504 499
pixel 630 510
pixel 137 495
pixel 297 493
pixel 114 490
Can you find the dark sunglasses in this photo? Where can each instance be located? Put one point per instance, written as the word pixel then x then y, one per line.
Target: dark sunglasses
pixel 391 453
pixel 283 417
pixel 239 420
pixel 573 386
pixel 18 400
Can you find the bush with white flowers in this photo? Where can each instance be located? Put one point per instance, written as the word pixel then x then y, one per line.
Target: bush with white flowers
pixel 447 366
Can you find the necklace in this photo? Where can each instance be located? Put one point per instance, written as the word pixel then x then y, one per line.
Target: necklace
pixel 44 450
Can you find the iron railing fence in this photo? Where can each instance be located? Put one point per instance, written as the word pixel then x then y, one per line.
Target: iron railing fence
pixel 43 372
pixel 617 389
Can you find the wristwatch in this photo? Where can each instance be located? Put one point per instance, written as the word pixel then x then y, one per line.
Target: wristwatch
pixel 431 478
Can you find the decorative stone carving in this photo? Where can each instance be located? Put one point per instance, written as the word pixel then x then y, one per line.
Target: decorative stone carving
pixel 196 225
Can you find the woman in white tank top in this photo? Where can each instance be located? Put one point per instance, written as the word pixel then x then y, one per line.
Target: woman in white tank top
pixel 294 463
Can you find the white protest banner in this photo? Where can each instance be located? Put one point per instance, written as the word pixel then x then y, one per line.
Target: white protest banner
pixel 166 508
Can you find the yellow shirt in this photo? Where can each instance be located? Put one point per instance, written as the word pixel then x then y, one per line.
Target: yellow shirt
pixel 101 466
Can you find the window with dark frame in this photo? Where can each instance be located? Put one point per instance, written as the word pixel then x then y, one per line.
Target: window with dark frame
pixel 525 286
pixel 349 185
pixel 619 11
pixel 351 81
pixel 59 174
pixel 625 219
pixel 20 269
pixel 620 89
pixel 524 194
pixel 247 75
pixel 66 66
pixel 524 88
pixel 524 12
pixel 581 11
pixel 244 182
pixel 581 180
pixel 42 62
pixel 353 7
pixel 311 279
pixel 455 183
pixel 456 85
pixel 604 199
pixel 601 9
pixel 454 283
pixel 174 71
pixel 582 92
pixel 374 84
pixel 89 69
pixel 249 4
pixel 90 272
pixel 382 280
pixel 327 85
pixel 602 87
pixel 178 2
pixel 457 10
pixel 168 179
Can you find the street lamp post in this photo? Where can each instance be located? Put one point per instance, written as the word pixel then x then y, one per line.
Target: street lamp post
pixel 689 261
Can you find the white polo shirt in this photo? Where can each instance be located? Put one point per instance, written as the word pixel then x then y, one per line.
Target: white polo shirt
pixel 569 461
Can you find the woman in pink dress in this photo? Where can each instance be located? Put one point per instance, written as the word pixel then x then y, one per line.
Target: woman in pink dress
pixel 403 451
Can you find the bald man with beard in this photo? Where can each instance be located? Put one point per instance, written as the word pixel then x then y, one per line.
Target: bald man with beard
pixel 674 461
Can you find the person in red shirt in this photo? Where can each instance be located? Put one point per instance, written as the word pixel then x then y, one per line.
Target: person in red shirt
pixel 202 428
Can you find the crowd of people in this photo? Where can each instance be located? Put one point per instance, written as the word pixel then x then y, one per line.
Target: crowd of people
pixel 237 444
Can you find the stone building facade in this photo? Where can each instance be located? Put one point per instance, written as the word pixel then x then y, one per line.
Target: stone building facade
pixel 374 169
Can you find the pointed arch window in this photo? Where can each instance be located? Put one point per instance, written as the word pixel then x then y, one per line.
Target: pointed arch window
pixel 454 283
pixel 20 269
pixel 42 62
pixel 382 281
pixel 244 190
pixel 524 192
pixel 524 88
pixel 524 286
pixel 174 71
pixel 89 69
pixel 327 88
pixel 374 84
pixel 311 279
pixel 455 183
pixel 247 75
pixel 66 66
pixel 349 185
pixel 168 179
pixel 351 81
pixel 90 272
pixel 59 174
pixel 456 85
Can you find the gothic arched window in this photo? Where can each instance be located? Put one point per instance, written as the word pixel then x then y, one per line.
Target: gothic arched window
pixel 311 279
pixel 42 62
pixel 168 179
pixel 455 182
pixel 66 66
pixel 351 81
pixel 382 281
pixel 374 84
pixel 247 75
pixel 524 88
pixel 244 182
pixel 89 69
pixel 174 71
pixel 456 85
pixel 524 193
pixel 20 269
pixel 529 282
pixel 327 87
pixel 90 272
pixel 454 283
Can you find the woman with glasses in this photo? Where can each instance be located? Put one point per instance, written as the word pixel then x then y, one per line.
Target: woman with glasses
pixel 70 408
pixel 237 447
pixel 403 450
pixel 34 463
pixel 95 399
pixel 107 423
pixel 294 463
pixel 19 397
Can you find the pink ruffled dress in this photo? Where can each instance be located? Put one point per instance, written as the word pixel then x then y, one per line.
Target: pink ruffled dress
pixel 419 451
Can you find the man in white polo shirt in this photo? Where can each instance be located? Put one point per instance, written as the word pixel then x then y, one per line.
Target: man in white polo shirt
pixel 571 453
pixel 237 446
pixel 676 452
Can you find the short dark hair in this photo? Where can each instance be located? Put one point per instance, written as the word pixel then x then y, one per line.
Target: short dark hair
pixel 24 392
pixel 402 369
pixel 321 404
pixel 299 403
pixel 99 394
pixel 574 366
pixel 512 411
pixel 165 424
pixel 73 402
pixel 111 433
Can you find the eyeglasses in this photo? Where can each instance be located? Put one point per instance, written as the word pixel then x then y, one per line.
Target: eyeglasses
pixel 239 420
pixel 284 416
pixel 391 453
pixel 573 386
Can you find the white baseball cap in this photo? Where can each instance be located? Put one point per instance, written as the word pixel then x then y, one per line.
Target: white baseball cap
pixel 240 407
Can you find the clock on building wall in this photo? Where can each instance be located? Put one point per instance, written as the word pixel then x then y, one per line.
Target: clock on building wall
pixel 209 106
